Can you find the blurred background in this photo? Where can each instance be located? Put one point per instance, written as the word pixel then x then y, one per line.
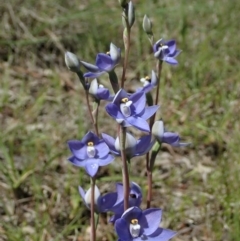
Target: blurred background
pixel 42 107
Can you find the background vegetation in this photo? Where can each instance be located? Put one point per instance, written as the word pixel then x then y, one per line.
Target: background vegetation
pixel 41 107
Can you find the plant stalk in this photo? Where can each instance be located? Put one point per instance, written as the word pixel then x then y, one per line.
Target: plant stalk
pixel 125 174
pixel 93 226
pixel 93 120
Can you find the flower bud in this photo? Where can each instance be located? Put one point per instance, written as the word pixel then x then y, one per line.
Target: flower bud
pixel 72 62
pixel 158 129
pixel 147 25
pixel 131 14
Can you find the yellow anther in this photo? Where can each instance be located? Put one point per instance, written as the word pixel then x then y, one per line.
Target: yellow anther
pixel 134 221
pixel 124 100
pixel 108 53
pixel 147 78
pixel 90 143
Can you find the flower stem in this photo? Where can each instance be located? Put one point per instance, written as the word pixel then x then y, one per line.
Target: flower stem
pixel 159 71
pixel 126 40
pixel 125 174
pixel 95 108
pixel 148 162
pixel 93 226
pixel 149 183
pixel 93 120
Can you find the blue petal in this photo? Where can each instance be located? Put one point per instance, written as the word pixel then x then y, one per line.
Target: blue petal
pixel 78 149
pixel 146 88
pixel 175 53
pixel 110 141
pixel 80 154
pixel 104 62
pixel 102 149
pixel 90 136
pixel 106 202
pixel 90 67
pixel 170 138
pixel 75 144
pixel 91 167
pixel 122 230
pixel 120 192
pixel 119 96
pixel 113 111
pixel 139 101
pixel 171 46
pixel 162 234
pixel 133 213
pixel 103 93
pixel 149 111
pixel 150 220
pixel 144 144
pixel 139 123
pixel 106 160
pixel 76 161
pixel 93 75
pixel 170 60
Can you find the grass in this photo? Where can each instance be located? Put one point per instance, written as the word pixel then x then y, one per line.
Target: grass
pixel 41 107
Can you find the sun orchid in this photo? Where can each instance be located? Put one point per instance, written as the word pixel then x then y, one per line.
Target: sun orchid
pixel 166 51
pixel 90 153
pixel 164 136
pixel 133 147
pixel 104 62
pixel 130 110
pixel 137 225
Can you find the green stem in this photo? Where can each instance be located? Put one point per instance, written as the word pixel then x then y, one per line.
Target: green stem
pixel 94 123
pixel 93 227
pixel 95 108
pixel 159 71
pixel 82 79
pixel 125 174
pixel 149 184
pixel 149 163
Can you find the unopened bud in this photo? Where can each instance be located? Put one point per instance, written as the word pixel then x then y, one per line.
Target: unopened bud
pixel 147 25
pixel 158 130
pixel 72 62
pixel 131 14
